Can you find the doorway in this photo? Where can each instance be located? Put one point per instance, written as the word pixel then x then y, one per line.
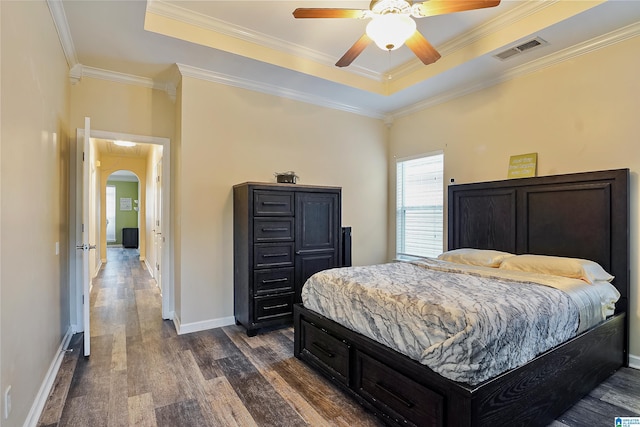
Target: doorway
pixel 166 267
pixel 122 210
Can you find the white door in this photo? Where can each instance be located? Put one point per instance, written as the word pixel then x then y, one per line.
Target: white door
pixel 82 240
pixel 157 227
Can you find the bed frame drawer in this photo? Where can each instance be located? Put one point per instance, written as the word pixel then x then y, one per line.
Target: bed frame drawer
pixel 412 401
pixel 325 352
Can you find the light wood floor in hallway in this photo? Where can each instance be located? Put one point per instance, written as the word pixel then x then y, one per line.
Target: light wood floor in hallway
pixel 141 373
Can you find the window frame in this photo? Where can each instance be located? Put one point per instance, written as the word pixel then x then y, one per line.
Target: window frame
pixel 401 209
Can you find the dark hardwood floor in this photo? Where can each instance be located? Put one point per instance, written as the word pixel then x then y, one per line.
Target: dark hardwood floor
pixel 142 373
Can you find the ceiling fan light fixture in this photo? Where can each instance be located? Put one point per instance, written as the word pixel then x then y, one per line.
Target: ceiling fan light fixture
pixel 391 30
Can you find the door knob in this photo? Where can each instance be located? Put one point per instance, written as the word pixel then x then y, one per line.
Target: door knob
pixel 85 247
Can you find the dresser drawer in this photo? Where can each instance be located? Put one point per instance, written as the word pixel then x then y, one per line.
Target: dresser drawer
pixel 273 255
pixel 325 351
pixel 267 308
pixel 273 280
pixel 273 203
pixel 273 230
pixel 413 402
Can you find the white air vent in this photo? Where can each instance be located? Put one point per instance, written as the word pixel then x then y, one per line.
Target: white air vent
pixel 526 46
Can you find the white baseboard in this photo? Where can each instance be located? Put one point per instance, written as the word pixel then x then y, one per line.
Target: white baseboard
pixel 185 328
pixel 98 267
pixel 43 394
pixel 149 268
pixel 634 361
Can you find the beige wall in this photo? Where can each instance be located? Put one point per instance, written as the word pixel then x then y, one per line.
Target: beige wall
pixel 230 135
pixel 580 115
pixel 122 108
pixel 34 211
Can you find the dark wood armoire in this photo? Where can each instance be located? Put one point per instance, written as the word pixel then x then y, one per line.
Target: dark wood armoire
pixel 282 234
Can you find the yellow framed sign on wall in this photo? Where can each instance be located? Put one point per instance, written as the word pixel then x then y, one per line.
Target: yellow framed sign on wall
pixel 523 166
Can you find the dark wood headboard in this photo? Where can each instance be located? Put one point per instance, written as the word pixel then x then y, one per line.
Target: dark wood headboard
pixel 581 215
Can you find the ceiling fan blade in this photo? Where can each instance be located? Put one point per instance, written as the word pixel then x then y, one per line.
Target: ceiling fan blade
pixel 441 7
pixel 422 48
pixel 328 13
pixel 354 51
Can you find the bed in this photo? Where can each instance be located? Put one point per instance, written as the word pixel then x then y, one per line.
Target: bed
pixel 584 216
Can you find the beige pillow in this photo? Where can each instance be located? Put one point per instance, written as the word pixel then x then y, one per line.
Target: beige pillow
pixel 575 268
pixel 481 257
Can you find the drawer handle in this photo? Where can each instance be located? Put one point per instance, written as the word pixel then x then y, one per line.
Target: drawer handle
pixel 275 229
pixel 322 350
pixel 275 204
pixel 266 281
pixel 274 290
pixel 273 307
pixel 313 251
pixel 275 255
pixel 400 399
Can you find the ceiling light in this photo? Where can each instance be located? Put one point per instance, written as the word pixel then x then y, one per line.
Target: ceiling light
pixel 391 30
pixel 125 143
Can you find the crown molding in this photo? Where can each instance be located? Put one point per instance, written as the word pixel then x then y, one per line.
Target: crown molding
pixel 64 33
pixel 225 79
pixel 114 76
pixel 175 12
pixel 79 71
pixel 567 54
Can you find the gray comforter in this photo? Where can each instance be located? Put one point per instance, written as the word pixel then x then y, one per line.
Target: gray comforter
pixel 464 324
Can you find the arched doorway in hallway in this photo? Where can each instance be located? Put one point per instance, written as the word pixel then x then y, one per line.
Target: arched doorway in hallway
pixel 122 210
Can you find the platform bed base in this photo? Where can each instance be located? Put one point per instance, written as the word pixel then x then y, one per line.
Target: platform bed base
pixel 401 391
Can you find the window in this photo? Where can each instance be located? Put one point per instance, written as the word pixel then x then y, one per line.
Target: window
pixel 419 206
pixel 111 213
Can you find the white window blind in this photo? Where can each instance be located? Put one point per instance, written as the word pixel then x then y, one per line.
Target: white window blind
pixel 419 207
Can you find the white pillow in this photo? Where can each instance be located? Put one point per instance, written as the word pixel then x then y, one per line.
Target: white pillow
pixel 575 268
pixel 481 257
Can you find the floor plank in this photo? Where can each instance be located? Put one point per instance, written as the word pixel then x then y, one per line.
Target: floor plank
pixel 181 414
pixel 141 373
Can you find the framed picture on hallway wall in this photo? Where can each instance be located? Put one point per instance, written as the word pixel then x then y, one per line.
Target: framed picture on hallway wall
pixel 125 204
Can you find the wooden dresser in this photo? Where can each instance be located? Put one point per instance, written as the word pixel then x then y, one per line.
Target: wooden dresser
pixel 282 234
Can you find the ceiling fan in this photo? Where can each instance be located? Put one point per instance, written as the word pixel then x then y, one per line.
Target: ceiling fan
pixel 392 25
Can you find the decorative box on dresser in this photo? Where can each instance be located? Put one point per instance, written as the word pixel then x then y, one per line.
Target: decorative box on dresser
pixel 282 234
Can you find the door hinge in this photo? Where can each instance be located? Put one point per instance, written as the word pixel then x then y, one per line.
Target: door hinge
pixel 83 156
pixel 83 228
